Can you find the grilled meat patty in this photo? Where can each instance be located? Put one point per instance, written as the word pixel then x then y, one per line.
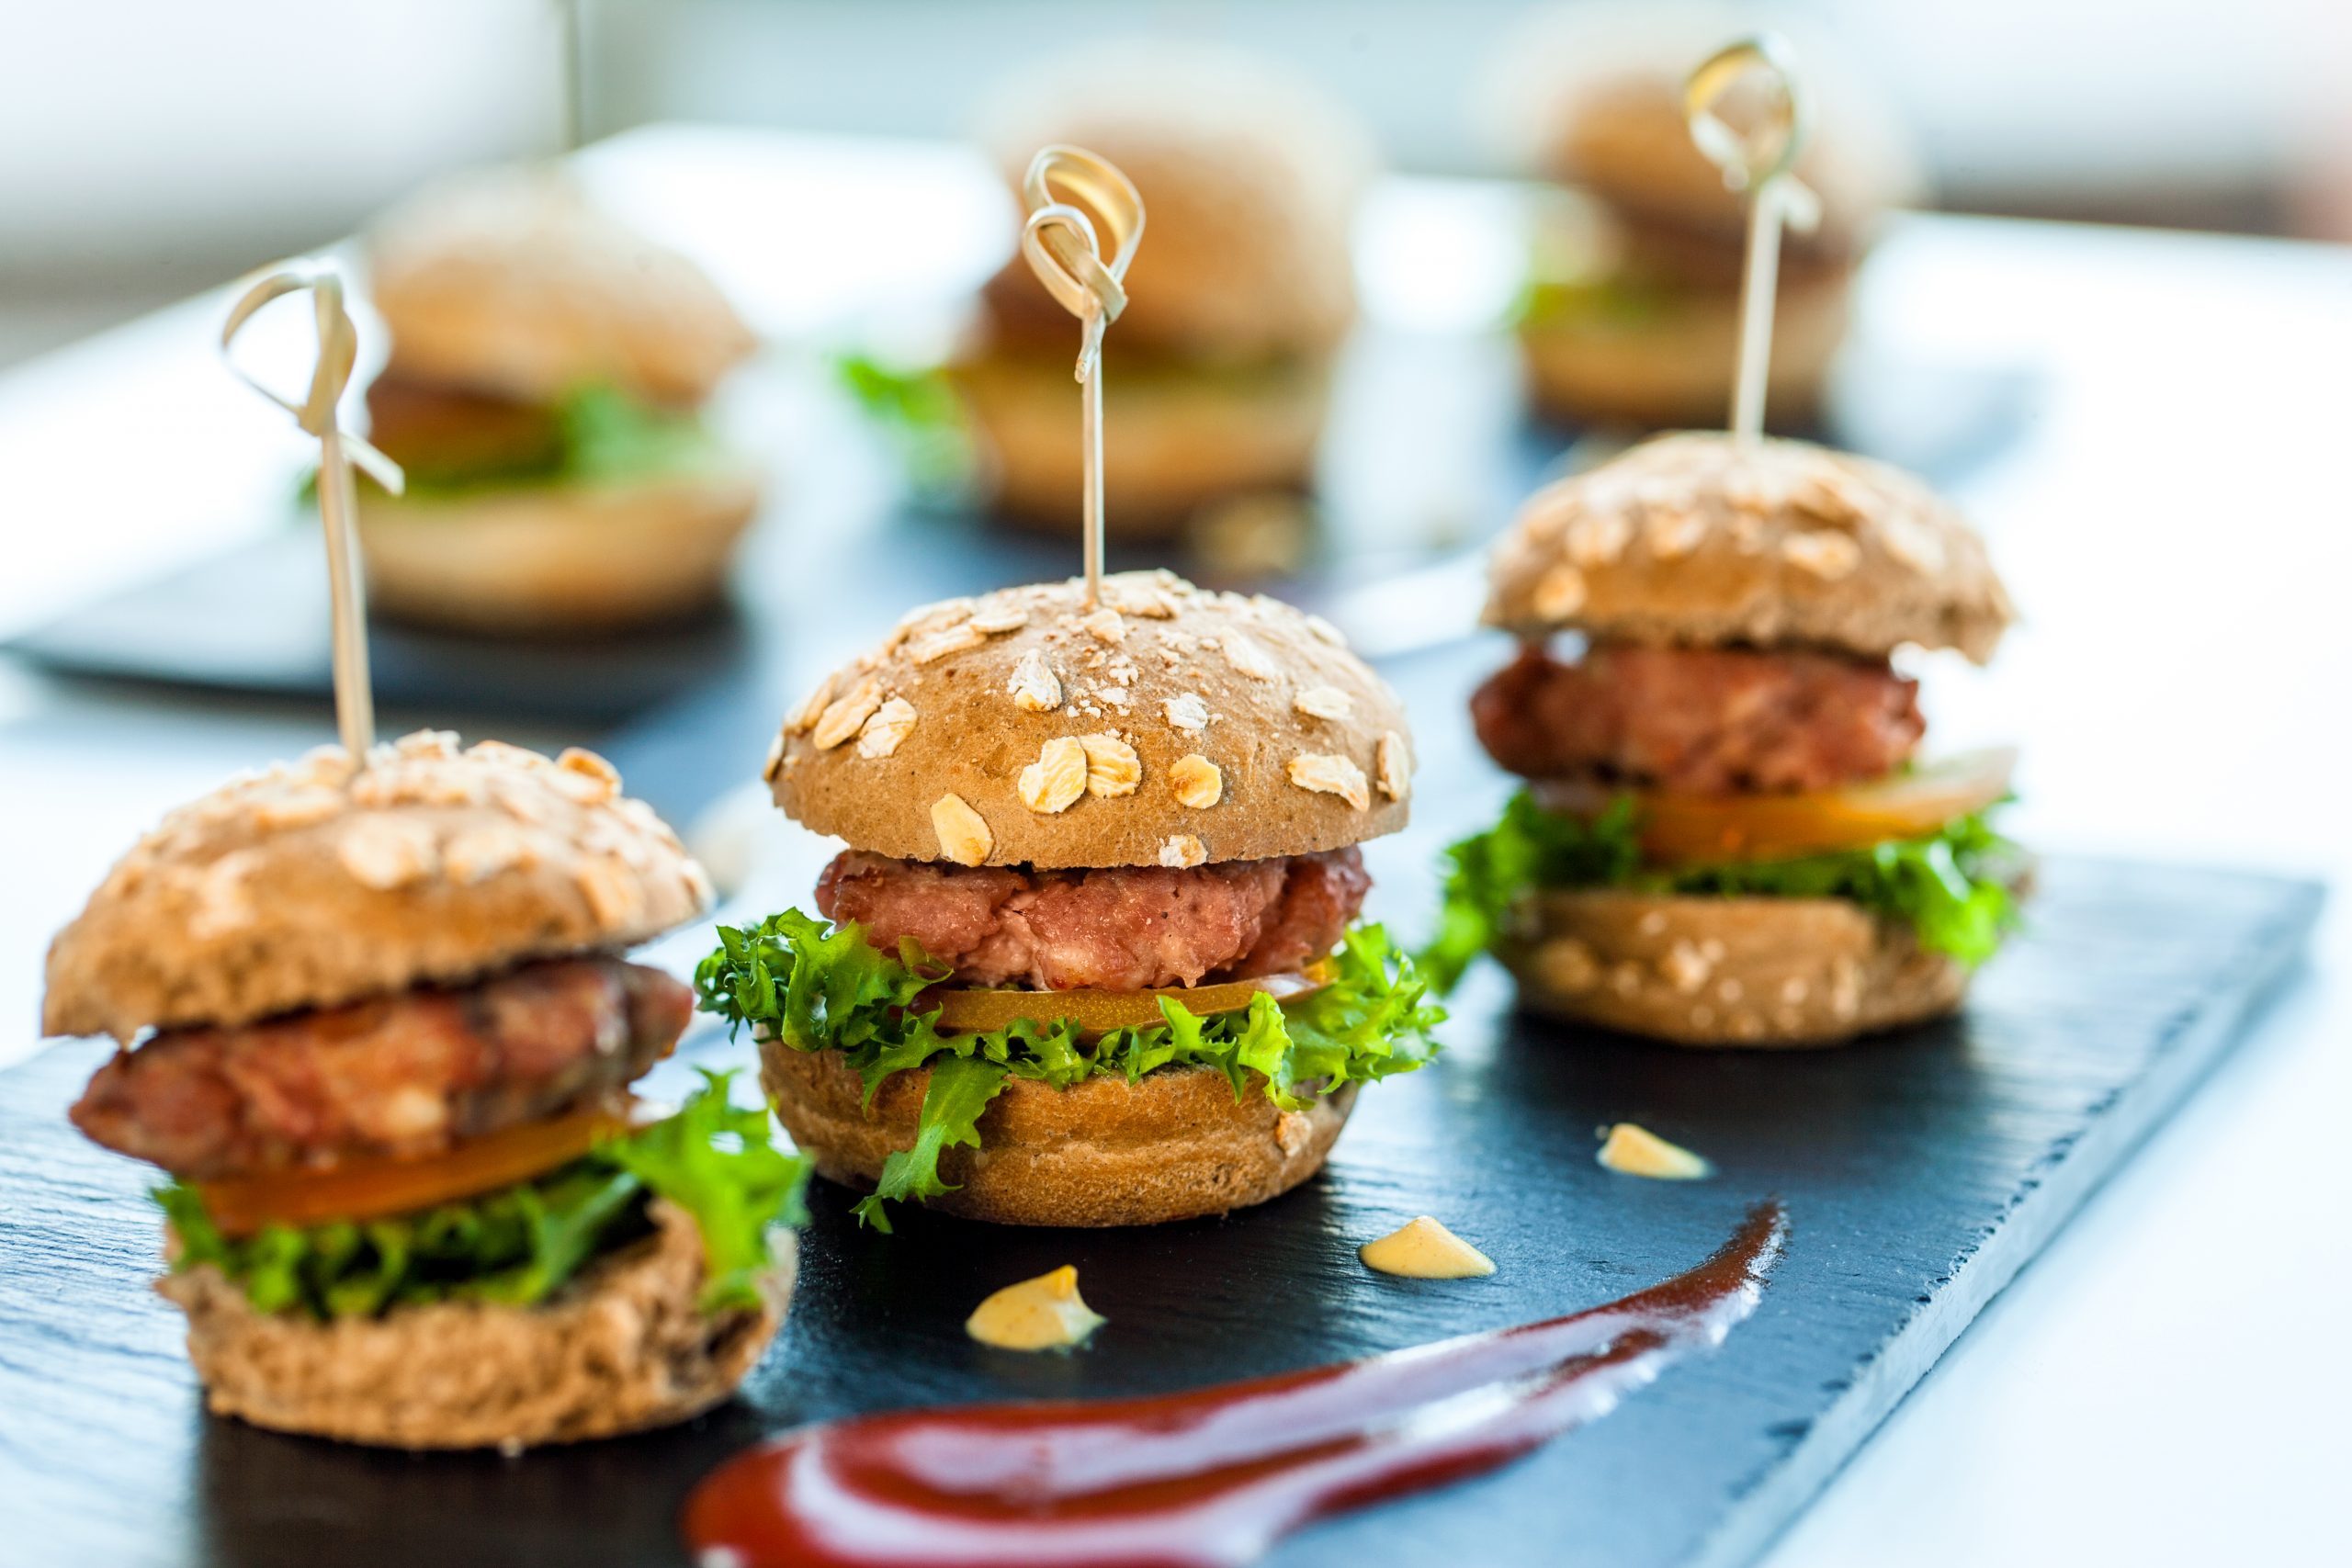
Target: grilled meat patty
pixel 404 1074
pixel 1122 928
pixel 1699 720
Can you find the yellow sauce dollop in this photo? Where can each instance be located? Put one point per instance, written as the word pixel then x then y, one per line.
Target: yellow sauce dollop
pixel 1042 1314
pixel 1425 1249
pixel 1637 1151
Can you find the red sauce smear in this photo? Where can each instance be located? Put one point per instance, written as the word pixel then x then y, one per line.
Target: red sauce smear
pixel 1211 1478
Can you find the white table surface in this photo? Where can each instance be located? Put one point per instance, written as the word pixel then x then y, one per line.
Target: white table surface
pixel 2169 1383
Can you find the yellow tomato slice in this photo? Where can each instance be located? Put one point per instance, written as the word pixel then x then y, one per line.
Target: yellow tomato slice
pixel 1098 1012
pixel 1687 830
pixel 372 1189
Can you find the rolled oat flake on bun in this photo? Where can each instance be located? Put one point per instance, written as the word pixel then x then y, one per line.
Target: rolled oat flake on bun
pixel 1093 847
pixel 357 993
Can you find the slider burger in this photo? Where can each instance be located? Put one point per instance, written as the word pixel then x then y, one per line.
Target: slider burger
pixel 377 1028
pixel 1091 957
pixel 1220 371
pixel 547 369
pixel 1631 312
pixel 1725 838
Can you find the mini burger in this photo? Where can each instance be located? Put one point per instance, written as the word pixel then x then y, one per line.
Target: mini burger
pixel 1219 373
pixel 1726 837
pixel 1631 312
pixel 1091 957
pixel 377 1028
pixel 547 369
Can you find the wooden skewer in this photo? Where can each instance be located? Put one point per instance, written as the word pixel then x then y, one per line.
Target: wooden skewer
pixel 1760 161
pixel 354 703
pixel 1064 247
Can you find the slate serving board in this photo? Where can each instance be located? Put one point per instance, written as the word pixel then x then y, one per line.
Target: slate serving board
pixel 1920 1172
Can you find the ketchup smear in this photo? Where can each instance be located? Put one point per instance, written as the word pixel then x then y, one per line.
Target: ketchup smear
pixel 1211 1478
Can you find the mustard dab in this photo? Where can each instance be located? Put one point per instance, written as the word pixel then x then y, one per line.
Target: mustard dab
pixel 1042 1314
pixel 1636 1151
pixel 1425 1249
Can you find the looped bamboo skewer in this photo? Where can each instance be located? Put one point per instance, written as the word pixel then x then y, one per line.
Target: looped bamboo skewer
pixel 1077 199
pixel 1760 161
pixel 354 703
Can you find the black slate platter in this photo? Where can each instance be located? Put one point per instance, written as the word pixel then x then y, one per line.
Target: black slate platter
pixel 1920 1172
pixel 253 619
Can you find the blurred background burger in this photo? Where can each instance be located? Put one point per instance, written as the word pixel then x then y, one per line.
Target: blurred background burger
pixel 544 395
pixel 1219 369
pixel 1630 314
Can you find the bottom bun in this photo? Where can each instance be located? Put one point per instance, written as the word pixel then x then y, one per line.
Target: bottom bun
pixel 622 1347
pixel 1676 372
pixel 1172 442
pixel 1719 971
pixel 557 558
pixel 1174 1145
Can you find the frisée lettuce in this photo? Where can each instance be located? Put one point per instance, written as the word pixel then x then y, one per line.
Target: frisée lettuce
pixel 1951 887
pixel 518 1245
pixel 817 987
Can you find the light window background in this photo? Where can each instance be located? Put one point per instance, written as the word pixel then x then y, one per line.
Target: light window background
pixel 150 147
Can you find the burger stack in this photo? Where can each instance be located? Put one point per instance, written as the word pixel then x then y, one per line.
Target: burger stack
pixel 376 1026
pixel 1092 955
pixel 1726 837
pixel 549 369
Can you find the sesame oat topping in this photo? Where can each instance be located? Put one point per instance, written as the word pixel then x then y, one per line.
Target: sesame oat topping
pixel 1249 658
pixel 1002 619
pixel 1827 555
pixel 805 717
pixel 1186 711
pixel 385 852
pixel 1323 702
pixel 1330 774
pixel 963 836
pixel 1183 852
pixel 1671 536
pixel 888 725
pixel 932 647
pixel 1198 783
pixel 1112 768
pixel 1559 592
pixel 845 716
pixel 1597 541
pixel 1394 759
pixel 1054 781
pixel 1034 687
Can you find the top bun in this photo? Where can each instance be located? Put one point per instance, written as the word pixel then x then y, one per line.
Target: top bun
pixel 1693 538
pixel 1168 727
pixel 1597 94
pixel 1249 178
pixel 315 884
pixel 509 282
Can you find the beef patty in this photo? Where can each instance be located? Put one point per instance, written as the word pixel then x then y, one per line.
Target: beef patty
pixel 1122 928
pixel 1699 720
pixel 403 1075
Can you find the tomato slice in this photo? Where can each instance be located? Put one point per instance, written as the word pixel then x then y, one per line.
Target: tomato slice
pixel 373 1189
pixel 1685 829
pixel 1097 1012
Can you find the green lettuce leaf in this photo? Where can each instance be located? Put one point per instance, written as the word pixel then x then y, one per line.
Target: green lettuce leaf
pixel 920 413
pixel 1951 887
pixel 520 1244
pixel 602 436
pixel 817 987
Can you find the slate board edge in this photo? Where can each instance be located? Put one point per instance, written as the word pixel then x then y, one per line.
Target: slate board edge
pixel 1763 1513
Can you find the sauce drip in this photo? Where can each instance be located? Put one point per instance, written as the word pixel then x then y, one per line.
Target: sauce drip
pixel 1210 1478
